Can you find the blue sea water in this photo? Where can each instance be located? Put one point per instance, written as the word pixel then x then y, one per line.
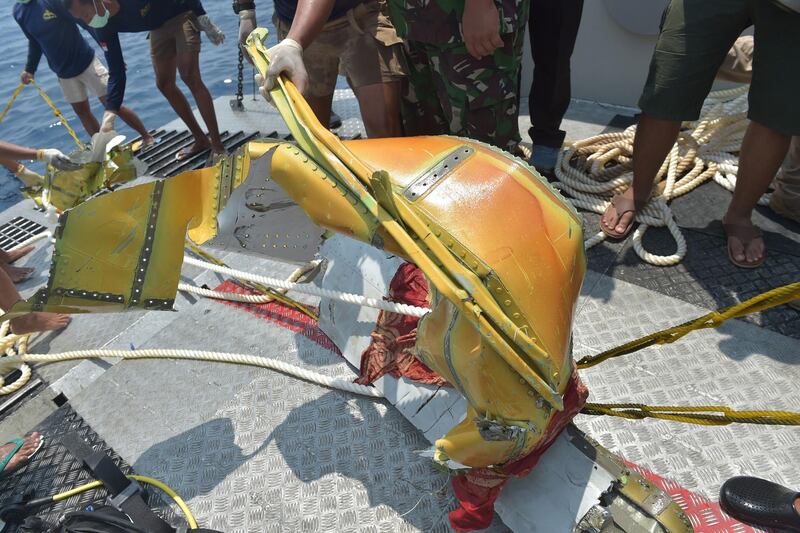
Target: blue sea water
pixel 31 123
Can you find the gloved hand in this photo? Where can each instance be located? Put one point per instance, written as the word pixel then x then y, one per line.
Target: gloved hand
pixel 286 57
pixel 28 176
pixel 213 32
pixel 247 23
pixel 56 158
pixel 109 117
pixel 26 77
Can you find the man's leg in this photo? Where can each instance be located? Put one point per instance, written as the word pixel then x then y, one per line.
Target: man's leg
pixel 380 108
pixel 421 108
pixel 189 69
pixel 87 118
pixel 651 145
pixel 553 28
pixel 375 66
pixel 763 151
pixel 694 40
pixel 479 96
pixel 785 200
pixel 133 120
pixel 165 67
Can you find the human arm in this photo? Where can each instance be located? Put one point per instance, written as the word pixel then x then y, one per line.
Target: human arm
pixel 287 56
pixel 50 155
pixel 246 9
pixel 117 78
pixel 32 62
pixel 481 27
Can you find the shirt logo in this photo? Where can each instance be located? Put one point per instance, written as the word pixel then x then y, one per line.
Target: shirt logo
pixel 48 15
pixel 145 10
pixel 104 46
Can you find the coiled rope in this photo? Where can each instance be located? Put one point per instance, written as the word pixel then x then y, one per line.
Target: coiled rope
pixel 591 171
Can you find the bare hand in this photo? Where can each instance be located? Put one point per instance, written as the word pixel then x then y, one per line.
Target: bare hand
pixel 26 77
pixel 481 28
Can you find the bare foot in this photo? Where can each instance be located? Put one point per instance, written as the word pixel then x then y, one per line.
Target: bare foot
pixel 38 322
pixel 148 141
pixel 747 251
pixel 10 257
pixel 193 149
pixel 17 274
pixel 218 149
pixel 22 456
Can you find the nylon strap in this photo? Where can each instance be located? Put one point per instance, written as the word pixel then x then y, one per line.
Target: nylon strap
pixel 56 111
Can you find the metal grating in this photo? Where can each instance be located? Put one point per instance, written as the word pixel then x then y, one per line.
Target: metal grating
pixel 18 230
pixel 54 470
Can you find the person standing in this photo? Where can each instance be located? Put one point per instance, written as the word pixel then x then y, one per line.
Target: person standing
pixel 355 39
pixel 552 28
pixel 174 46
pixel 694 40
pixel 53 33
pixel 464 59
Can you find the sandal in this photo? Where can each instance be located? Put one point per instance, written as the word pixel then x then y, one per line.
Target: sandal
pixel 746 234
pixel 622 205
pixel 190 151
pixel 18 444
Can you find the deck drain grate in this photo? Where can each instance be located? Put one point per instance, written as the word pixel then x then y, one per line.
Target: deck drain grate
pixel 18 230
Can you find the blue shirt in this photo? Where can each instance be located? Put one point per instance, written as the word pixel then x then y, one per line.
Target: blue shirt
pixel 134 16
pixel 52 31
pixel 285 9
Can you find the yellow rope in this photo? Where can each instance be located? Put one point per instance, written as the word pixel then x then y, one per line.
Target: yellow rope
pixel 766 300
pixel 56 111
pixel 59 115
pixel 14 95
pixel 702 415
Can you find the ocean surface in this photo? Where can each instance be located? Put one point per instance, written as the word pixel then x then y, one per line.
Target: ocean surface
pixel 31 123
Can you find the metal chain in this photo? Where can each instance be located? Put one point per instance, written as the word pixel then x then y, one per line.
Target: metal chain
pixel 237 104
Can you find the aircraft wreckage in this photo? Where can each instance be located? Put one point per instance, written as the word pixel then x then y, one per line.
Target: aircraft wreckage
pixel 500 252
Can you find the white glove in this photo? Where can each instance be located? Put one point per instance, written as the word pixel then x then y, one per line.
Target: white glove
pixel 247 23
pixel 28 177
pixel 109 117
pixel 286 57
pixel 211 30
pixel 56 158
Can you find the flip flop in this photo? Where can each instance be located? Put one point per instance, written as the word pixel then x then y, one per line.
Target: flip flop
pixel 190 151
pixel 746 235
pixel 18 444
pixel 622 205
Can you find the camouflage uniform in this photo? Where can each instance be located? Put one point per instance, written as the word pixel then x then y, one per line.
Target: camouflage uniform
pixel 449 90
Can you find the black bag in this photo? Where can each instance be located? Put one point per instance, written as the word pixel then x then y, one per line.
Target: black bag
pixel 103 519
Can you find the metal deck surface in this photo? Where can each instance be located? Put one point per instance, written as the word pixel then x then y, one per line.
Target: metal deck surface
pixel 252 450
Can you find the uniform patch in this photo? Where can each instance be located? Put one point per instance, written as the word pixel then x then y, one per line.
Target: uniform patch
pixel 49 15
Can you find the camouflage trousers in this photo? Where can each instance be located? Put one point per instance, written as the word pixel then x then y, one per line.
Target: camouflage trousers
pixel 451 92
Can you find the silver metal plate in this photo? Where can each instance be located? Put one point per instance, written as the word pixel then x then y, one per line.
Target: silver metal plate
pixel 417 188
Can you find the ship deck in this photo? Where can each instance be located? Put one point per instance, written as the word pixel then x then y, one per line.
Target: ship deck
pixel 252 450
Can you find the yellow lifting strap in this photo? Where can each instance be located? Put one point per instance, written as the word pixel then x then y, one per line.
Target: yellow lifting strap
pixel 56 111
pixel 766 300
pixel 712 415
pixel 702 415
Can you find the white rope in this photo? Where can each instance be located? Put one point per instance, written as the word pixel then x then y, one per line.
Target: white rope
pixel 198 355
pixel 394 307
pixel 591 171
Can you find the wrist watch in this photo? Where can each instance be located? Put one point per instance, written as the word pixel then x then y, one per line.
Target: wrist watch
pixel 241 6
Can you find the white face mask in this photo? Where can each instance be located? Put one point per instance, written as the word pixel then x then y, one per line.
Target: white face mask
pixel 98 21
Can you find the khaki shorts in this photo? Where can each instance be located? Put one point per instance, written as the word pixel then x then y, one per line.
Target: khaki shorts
pixel 94 78
pixel 179 34
pixel 362 45
pixel 694 41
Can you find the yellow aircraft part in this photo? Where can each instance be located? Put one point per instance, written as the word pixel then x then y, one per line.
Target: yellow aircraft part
pixel 503 253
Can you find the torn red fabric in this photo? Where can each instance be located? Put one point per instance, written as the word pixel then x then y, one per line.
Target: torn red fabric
pixel 395 335
pixel 479 488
